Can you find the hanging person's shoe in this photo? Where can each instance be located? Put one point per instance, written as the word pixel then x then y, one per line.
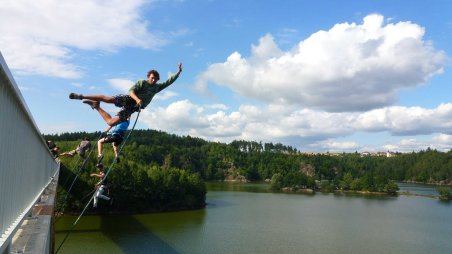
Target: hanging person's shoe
pixel 99 158
pixel 75 96
pixel 93 104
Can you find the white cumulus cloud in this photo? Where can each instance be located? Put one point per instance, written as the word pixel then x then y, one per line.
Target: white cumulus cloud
pixel 350 67
pixel 122 85
pixel 303 128
pixel 39 37
pixel 165 95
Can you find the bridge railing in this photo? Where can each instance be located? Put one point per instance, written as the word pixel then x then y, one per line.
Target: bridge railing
pixel 26 164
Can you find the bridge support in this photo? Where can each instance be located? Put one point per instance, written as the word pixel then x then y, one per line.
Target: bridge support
pixel 27 168
pixel 36 234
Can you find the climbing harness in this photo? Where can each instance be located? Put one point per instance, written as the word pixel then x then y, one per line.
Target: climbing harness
pixel 100 183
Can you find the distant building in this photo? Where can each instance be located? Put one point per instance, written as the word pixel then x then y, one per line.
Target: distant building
pixel 362 154
pixel 381 154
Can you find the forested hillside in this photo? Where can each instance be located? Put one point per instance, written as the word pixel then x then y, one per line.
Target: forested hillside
pixel 158 169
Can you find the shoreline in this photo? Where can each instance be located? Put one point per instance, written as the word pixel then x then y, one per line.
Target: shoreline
pixel 432 183
pixel 362 193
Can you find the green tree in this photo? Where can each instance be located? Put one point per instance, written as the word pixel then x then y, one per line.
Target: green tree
pixel 346 182
pixel 391 187
pixel 276 181
pixel 444 192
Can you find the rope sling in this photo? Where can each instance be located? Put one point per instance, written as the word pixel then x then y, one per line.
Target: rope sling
pixel 61 209
pixel 100 184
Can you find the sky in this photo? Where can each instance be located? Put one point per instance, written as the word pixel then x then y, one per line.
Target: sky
pixel 320 76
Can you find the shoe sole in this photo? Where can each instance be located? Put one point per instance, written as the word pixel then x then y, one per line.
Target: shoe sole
pixel 92 104
pixel 75 96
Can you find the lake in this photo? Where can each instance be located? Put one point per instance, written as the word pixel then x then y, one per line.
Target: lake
pixel 247 218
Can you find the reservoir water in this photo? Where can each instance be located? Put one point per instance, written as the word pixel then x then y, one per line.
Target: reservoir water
pixel 247 218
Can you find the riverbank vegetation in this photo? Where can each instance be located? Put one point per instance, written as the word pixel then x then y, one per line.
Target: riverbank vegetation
pixel 445 193
pixel 161 171
pixel 134 189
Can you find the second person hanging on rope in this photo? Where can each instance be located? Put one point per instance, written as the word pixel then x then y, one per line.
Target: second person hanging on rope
pixel 81 149
pixel 139 96
pixel 102 185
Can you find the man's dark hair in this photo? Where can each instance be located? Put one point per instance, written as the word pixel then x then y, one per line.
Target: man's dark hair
pixel 86 138
pixel 50 144
pixel 156 74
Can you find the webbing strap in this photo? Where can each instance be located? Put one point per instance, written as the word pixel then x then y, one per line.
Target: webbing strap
pixel 100 184
pixel 77 175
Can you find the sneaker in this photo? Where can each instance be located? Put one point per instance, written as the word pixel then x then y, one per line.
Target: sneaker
pixel 75 96
pixel 93 104
pixel 99 158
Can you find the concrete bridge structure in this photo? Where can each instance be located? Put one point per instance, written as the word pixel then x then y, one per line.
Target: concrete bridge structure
pixel 28 175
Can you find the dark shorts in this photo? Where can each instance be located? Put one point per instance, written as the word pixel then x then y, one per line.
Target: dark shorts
pixel 127 104
pixel 115 139
pixel 81 152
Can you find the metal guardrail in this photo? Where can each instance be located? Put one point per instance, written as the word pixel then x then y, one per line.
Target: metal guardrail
pixel 26 164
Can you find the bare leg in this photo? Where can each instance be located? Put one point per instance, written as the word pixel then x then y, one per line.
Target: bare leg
pixel 66 154
pixel 112 121
pixel 99 146
pixel 115 149
pixel 99 97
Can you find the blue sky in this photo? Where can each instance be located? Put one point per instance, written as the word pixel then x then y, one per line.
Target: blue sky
pixel 337 76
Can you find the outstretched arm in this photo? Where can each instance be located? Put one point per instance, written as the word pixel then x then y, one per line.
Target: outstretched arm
pixel 101 176
pixel 94 174
pixel 180 69
pixel 169 81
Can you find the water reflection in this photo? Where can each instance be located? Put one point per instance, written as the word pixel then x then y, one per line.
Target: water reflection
pixel 238 186
pixel 131 236
pixel 365 196
pixel 248 218
pixel 422 189
pixel 143 233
